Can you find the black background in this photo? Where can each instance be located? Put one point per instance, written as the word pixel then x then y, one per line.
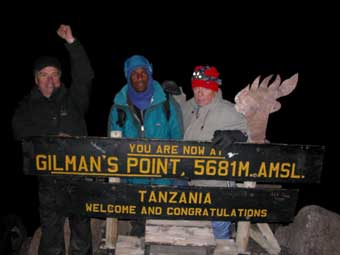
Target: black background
pixel 242 43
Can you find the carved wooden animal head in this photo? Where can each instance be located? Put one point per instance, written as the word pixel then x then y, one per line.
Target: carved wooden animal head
pixel 263 97
pixel 258 100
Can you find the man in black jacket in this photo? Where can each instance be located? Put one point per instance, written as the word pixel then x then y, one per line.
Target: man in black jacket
pixel 53 109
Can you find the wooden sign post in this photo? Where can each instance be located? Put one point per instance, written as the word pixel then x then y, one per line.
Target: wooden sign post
pixel 111 230
pixel 140 158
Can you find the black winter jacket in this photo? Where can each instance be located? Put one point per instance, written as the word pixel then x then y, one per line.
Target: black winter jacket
pixel 64 111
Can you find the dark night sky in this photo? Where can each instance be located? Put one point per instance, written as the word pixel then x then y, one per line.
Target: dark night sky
pixel 241 47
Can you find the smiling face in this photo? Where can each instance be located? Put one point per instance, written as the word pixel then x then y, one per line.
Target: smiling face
pixel 48 80
pixel 203 96
pixel 139 79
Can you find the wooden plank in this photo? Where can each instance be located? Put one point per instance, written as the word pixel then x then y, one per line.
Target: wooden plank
pixel 111 229
pixel 176 250
pixel 176 236
pixel 226 247
pixel 110 233
pixel 137 158
pixel 179 236
pixel 188 203
pixel 243 227
pixel 129 245
pixel 180 223
pixel 190 231
pixel 268 237
pixel 264 237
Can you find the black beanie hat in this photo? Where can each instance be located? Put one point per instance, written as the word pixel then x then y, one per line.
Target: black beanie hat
pixel 45 61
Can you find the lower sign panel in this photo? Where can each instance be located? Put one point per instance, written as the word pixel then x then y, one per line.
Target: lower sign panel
pixel 190 203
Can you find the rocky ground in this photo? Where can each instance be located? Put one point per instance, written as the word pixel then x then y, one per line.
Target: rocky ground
pixel 254 248
pixel 315 231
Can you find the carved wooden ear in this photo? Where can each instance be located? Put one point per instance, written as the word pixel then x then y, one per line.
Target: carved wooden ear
pixel 289 85
pixel 264 83
pixel 255 83
pixel 276 83
pixel 276 107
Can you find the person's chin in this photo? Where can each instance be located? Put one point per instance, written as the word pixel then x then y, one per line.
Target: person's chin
pixel 201 103
pixel 140 89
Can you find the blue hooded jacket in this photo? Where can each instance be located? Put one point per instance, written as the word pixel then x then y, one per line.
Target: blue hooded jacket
pixel 156 124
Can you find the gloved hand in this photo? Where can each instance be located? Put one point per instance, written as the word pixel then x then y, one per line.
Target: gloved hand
pixel 171 87
pixel 223 138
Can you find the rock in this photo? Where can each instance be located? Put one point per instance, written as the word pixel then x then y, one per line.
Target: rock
pixel 315 231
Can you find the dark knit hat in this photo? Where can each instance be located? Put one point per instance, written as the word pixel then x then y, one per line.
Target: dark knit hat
pixel 45 61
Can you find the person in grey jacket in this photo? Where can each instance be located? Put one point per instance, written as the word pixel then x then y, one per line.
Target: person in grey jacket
pixel 207 111
pixel 205 117
pixel 53 109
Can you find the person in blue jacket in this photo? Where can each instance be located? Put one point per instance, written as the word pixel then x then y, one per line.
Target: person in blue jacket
pixel 142 109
